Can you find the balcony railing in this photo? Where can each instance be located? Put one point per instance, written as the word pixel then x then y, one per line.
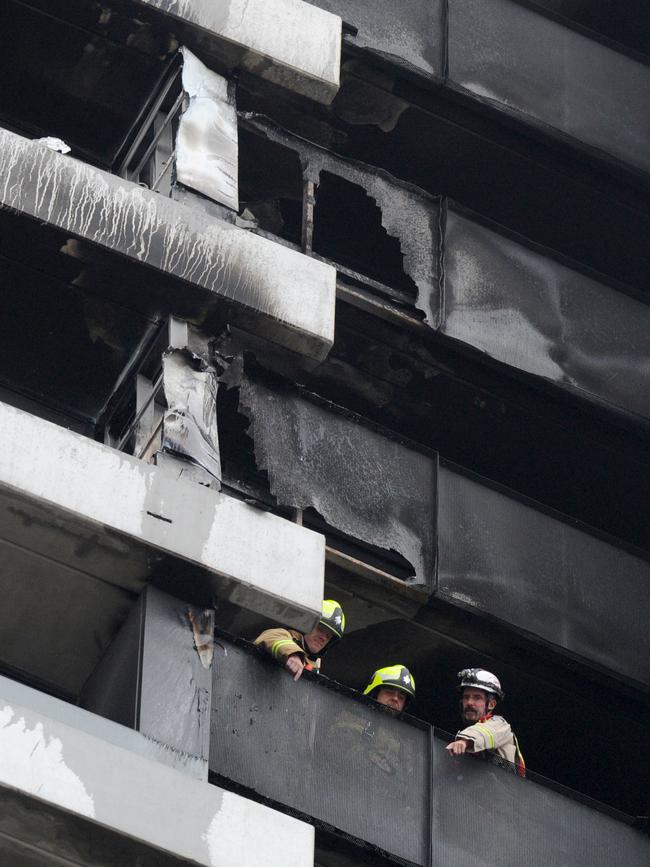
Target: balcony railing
pixel 320 751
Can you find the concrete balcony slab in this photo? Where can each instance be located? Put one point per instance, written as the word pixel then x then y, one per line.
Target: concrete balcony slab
pixel 83 528
pixel 74 786
pixel 269 289
pixel 290 42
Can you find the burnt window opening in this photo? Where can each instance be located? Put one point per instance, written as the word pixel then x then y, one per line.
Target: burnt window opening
pixel 240 476
pixel 348 231
pixel 270 186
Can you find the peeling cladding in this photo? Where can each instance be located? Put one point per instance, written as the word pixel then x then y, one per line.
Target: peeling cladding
pixel 202 624
pixel 533 313
pixel 206 144
pixel 125 218
pixel 190 422
pixel 362 483
pixel 407 212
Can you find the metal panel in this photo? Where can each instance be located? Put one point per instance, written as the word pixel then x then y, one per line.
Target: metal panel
pixel 285 295
pixel 485 816
pixel 409 32
pixel 323 751
pixel 190 420
pixel 176 685
pixel 206 145
pixel 366 485
pixel 152 679
pixel 529 311
pixel 533 66
pixel 504 558
pixel 345 763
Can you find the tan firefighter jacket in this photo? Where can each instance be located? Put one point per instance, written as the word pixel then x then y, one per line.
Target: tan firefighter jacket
pixel 494 735
pixel 282 643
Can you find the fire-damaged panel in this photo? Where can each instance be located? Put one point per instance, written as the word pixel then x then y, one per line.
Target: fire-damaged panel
pixel 504 558
pixel 367 770
pixel 524 62
pixel 535 314
pixel 291 294
pixel 409 32
pixel 206 145
pixel 485 816
pixel 369 487
pixel 383 780
pixel 190 421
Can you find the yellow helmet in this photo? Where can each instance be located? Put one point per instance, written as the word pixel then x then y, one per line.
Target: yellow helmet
pixel 333 618
pixel 395 676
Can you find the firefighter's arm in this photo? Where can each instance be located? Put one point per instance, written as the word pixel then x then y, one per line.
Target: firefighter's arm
pixel 283 647
pixel 488 735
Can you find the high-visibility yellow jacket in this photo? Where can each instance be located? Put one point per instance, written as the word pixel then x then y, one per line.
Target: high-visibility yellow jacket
pixel 282 643
pixel 494 735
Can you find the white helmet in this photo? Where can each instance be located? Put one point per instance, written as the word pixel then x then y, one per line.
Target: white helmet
pixel 481 679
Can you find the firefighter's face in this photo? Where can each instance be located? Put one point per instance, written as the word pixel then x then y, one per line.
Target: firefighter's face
pixel 391 697
pixel 474 704
pixel 318 639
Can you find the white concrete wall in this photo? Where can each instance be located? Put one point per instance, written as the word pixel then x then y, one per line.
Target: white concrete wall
pixel 257 559
pixel 288 41
pixel 59 759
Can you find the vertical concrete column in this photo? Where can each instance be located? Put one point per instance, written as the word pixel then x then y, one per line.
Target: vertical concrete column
pixel 156 677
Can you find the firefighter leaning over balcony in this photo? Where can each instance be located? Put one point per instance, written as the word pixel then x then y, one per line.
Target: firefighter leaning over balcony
pixel 297 651
pixel 485 733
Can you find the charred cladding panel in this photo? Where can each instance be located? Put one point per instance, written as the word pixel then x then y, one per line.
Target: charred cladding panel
pixel 529 311
pixel 537 68
pixel 504 558
pixel 483 815
pixel 362 483
pixel 409 32
pixel 345 763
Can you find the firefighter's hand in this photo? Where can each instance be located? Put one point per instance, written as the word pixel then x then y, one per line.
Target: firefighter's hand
pixel 294 665
pixel 456 748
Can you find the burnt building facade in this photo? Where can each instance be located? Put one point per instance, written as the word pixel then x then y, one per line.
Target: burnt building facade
pixel 344 300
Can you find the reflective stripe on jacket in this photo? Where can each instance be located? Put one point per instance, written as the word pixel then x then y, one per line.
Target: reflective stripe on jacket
pixel 494 735
pixel 282 643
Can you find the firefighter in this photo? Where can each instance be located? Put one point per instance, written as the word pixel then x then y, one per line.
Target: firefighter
pixel 392 686
pixel 484 733
pixel 297 651
pixel 367 741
